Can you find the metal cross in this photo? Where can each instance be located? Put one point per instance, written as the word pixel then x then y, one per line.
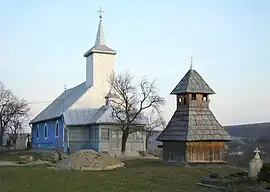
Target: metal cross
pixel 256 150
pixel 100 12
pixel 191 58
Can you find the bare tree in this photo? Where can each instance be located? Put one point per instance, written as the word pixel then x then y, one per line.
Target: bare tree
pixel 11 110
pixel 129 101
pixel 153 121
pixel 16 127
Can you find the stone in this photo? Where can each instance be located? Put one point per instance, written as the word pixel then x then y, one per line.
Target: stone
pixel 56 156
pixel 26 159
pixel 255 164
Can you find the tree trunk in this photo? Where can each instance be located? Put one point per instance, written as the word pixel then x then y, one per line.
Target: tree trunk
pixel 124 141
pixel 14 143
pixel 1 136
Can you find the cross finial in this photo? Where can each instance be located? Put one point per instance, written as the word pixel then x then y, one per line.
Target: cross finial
pixel 191 59
pixel 257 151
pixel 65 86
pixel 100 12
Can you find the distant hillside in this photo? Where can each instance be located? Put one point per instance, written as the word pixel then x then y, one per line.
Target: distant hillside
pixel 246 130
pixel 249 130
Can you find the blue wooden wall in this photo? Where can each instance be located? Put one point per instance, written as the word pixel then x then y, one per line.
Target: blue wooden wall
pixel 52 141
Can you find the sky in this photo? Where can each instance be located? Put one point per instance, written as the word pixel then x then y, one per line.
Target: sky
pixel 42 45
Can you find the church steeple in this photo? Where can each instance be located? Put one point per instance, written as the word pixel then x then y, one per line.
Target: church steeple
pixel 100 45
pixel 100 39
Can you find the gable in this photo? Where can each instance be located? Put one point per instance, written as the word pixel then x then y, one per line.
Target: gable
pixel 61 104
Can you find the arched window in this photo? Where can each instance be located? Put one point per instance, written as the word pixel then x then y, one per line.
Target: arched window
pixel 57 129
pixel 45 131
pixel 37 132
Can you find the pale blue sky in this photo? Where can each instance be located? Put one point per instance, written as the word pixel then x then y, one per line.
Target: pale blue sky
pixel 42 45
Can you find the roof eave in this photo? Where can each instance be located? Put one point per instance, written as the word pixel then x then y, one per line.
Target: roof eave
pixel 48 119
pixel 90 52
pixel 186 92
pixel 103 123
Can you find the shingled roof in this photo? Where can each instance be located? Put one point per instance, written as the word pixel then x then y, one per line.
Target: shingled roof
pixel 192 82
pixel 61 103
pixel 191 123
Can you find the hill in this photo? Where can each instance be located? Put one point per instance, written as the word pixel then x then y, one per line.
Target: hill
pixel 249 130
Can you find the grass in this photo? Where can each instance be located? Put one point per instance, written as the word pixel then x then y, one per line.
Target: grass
pixel 15 155
pixel 139 175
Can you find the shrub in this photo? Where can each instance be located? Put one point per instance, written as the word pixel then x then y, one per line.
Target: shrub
pixel 214 175
pixel 242 174
pixel 264 174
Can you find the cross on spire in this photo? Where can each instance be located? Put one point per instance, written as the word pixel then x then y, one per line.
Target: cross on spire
pixel 191 59
pixel 257 151
pixel 100 12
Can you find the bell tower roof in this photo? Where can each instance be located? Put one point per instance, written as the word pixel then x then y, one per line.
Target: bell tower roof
pixel 192 82
pixel 100 44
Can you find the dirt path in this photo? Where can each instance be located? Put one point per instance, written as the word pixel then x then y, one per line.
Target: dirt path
pixel 12 163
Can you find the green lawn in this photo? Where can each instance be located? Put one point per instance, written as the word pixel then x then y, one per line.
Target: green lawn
pixel 139 176
pixel 15 156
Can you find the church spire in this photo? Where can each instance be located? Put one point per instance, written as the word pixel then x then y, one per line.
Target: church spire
pixel 100 46
pixel 100 40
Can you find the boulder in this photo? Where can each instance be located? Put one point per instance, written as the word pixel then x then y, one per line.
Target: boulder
pixel 56 156
pixel 26 159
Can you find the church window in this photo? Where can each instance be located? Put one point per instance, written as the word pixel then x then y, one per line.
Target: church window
pixel 105 134
pixel 37 132
pixel 114 133
pixel 193 96
pixel 138 136
pixel 57 129
pixel 204 97
pixel 180 100
pixel 45 131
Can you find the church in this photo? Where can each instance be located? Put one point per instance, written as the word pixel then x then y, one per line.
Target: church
pixel 81 117
pixel 193 134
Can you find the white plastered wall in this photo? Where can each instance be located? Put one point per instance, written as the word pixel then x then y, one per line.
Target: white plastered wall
pixel 98 69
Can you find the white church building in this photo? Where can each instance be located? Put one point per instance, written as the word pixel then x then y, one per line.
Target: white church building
pixel 80 118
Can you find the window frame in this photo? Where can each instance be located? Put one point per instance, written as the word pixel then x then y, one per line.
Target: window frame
pixel 37 132
pixel 138 136
pixel 57 132
pixel 107 136
pixel 46 131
